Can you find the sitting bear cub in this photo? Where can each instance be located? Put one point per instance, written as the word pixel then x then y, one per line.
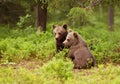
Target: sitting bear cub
pixel 60 33
pixel 79 52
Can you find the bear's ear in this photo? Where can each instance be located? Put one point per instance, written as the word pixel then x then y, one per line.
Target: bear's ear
pixel 75 35
pixel 65 26
pixel 54 26
pixel 70 30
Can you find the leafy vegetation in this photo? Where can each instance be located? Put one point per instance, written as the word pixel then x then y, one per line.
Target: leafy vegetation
pixel 62 75
pixel 27 55
pixel 17 45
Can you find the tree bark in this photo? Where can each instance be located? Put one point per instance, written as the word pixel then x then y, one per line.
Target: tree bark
pixel 41 16
pixel 111 17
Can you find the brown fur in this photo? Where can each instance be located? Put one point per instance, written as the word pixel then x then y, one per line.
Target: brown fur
pixel 79 52
pixel 60 33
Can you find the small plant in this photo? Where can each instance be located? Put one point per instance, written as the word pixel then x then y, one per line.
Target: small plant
pixel 24 21
pixel 58 68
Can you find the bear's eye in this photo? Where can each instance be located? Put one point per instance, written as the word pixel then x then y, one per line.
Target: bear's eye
pixel 55 33
pixel 68 40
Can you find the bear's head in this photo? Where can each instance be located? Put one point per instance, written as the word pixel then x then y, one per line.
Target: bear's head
pixel 72 38
pixel 60 32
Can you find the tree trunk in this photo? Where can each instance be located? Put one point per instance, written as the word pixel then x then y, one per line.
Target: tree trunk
pixel 41 16
pixel 111 17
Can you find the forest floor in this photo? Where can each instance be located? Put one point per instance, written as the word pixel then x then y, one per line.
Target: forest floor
pixel 29 58
pixel 32 64
pixel 28 72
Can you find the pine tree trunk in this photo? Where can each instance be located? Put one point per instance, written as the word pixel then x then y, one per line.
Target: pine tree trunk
pixel 41 16
pixel 111 17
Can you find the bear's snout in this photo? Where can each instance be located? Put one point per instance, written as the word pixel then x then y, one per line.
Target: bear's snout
pixel 56 38
pixel 63 43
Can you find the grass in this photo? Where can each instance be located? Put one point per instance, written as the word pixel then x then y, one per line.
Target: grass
pixel 108 74
pixel 29 58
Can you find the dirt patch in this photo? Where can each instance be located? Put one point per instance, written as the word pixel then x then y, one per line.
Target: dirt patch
pixel 85 72
pixel 28 64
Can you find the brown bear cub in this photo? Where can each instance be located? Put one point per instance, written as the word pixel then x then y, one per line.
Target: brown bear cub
pixel 79 52
pixel 60 33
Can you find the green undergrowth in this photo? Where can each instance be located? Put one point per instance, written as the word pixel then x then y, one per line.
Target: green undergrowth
pixel 22 44
pixel 17 45
pixel 50 74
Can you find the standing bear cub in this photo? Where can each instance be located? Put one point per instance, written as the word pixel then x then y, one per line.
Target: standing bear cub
pixel 79 52
pixel 60 33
